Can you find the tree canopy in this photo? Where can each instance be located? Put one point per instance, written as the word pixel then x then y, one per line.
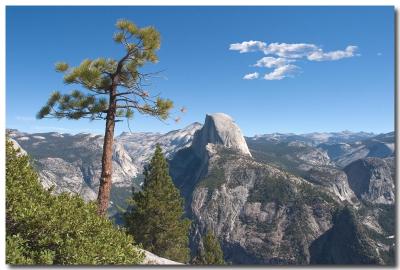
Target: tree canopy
pixel 211 252
pixel 156 215
pixel 102 76
pixel 114 90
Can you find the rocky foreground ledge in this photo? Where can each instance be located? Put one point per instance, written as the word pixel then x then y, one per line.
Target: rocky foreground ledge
pixel 153 259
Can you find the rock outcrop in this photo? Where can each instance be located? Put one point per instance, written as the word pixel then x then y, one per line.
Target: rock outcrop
pixel 220 129
pixel 141 145
pixel 152 259
pixel 334 180
pixel 260 214
pixel 268 207
pixel 372 179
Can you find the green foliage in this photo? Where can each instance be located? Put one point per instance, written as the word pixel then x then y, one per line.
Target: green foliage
pixel 148 35
pixel 211 253
pixel 310 194
pixel 273 189
pixel 118 80
pixel 280 154
pixel 46 229
pixel 214 179
pixel 61 66
pixel 16 250
pixel 76 103
pixel 156 214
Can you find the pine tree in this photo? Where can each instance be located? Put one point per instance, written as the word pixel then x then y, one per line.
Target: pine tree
pixel 155 216
pixel 113 91
pixel 211 253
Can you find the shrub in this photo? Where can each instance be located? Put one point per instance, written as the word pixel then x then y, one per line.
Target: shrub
pixel 43 228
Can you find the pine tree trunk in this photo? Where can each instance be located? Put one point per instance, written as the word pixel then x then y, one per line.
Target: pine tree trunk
pixel 103 198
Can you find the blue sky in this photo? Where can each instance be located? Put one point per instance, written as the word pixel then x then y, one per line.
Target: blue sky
pixel 324 68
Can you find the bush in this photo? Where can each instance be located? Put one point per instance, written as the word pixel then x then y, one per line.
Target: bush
pixel 43 228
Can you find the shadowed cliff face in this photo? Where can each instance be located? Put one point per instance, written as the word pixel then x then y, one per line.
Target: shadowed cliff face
pixel 345 243
pixel 372 179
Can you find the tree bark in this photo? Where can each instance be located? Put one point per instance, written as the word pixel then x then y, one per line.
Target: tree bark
pixel 103 198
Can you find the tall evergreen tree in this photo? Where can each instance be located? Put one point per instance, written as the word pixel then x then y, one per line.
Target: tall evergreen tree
pixel 155 217
pixel 114 89
pixel 211 253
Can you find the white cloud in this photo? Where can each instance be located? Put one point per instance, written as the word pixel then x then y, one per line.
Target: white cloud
pixel 319 55
pixel 281 72
pixel 379 54
pixel 280 55
pixel 248 46
pixel 251 76
pixel 290 50
pixel 271 62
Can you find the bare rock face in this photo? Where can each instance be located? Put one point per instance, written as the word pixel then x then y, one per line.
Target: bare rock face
pixel 64 177
pixel 220 129
pixel 260 214
pixel 72 163
pixel 141 145
pixel 17 147
pixel 333 180
pixel 372 179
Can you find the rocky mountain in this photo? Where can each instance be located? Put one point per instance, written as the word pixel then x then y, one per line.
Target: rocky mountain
pixel 346 242
pixel 140 146
pixel 337 137
pixel 72 163
pixel 269 199
pixel 272 206
pixel 316 138
pixel 372 179
pixel 219 128
pixel 294 156
pixel 343 154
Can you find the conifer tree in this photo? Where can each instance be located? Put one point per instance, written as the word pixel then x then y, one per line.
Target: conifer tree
pixel 155 216
pixel 211 253
pixel 113 90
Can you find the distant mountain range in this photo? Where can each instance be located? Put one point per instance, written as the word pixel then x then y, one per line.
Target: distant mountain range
pixel 269 199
